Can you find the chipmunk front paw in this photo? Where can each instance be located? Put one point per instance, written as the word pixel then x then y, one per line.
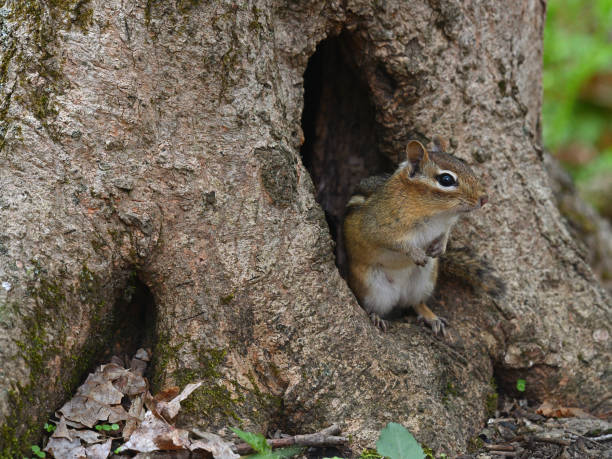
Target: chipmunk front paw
pixel 436 248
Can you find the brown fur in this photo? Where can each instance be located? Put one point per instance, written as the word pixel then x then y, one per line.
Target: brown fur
pixel 388 211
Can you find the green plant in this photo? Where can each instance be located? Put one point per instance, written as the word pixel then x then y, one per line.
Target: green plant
pixel 370 454
pixel 49 427
pixel 396 442
pixel 107 427
pixel 574 51
pixel 36 450
pixel 264 450
pixel 520 385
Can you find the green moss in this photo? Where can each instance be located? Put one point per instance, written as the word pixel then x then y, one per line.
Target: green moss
pixel 429 453
pixel 474 444
pixel 491 403
pixel 43 21
pixel 44 334
pixel 450 389
pixel 227 299
pixel 492 399
pixel 83 16
pixel 255 26
pixel 4 64
pixel 213 398
pixel 185 6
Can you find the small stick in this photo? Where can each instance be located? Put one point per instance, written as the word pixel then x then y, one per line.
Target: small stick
pixel 499 447
pixel 605 437
pixel 323 438
pixel 557 441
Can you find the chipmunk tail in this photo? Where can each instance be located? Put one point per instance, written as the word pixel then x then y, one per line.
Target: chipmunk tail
pixel 463 264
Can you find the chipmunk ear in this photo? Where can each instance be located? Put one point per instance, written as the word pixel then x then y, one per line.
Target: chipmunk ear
pixel 416 155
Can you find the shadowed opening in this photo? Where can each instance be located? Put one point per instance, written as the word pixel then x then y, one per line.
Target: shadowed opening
pixel 133 320
pixel 341 144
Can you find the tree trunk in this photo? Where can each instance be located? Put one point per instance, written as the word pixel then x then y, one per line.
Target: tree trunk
pixel 156 146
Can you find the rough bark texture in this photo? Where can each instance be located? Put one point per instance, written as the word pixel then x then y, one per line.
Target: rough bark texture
pixel 162 140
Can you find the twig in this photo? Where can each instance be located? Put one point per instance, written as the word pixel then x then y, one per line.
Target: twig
pixel 545 439
pixel 325 437
pixel 499 447
pixel 589 439
pixel 605 437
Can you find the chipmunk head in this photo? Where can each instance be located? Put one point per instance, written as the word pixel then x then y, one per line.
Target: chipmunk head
pixel 447 181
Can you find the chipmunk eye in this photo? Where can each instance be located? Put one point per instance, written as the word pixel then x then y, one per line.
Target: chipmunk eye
pixel 446 179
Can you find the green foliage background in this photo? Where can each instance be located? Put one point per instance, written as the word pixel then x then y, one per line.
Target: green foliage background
pixel 577 49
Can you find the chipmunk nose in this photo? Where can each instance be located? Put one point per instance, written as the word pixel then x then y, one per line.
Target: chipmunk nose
pixel 483 200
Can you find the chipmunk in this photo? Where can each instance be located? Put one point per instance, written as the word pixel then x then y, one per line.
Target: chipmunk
pixel 398 225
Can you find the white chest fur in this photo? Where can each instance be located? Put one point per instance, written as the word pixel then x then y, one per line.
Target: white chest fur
pixel 388 288
pixel 394 280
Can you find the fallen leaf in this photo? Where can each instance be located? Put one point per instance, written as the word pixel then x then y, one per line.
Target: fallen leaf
pixel 88 436
pixel 170 409
pixel 143 354
pixel 99 451
pixel 214 444
pixel 117 413
pixel 105 393
pixel 76 410
pixel 61 431
pixel 112 371
pixel 551 411
pixel 154 434
pixel 66 449
pixel 167 394
pixel 135 417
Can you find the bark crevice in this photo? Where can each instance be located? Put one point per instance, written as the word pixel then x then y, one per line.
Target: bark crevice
pixel 339 122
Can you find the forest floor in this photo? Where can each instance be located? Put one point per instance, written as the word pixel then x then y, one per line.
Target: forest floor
pixel 542 431
pixel 114 415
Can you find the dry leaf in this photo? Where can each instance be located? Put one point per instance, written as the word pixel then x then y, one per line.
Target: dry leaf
pixel 112 371
pixel 551 411
pixel 61 431
pixel 167 394
pixel 66 449
pixel 88 436
pixel 170 409
pixel 76 410
pixel 153 434
pixel 99 451
pixel 143 354
pixel 214 444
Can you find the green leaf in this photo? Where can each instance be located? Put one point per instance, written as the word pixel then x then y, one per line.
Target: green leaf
pixel 49 427
pixel 114 426
pixel 370 454
pixel 118 449
pixel 256 441
pixel 520 385
pixel 106 427
pixel 36 450
pixel 396 442
pixel 98 427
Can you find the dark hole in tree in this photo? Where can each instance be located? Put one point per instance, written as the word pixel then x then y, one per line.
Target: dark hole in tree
pixel 133 322
pixel 341 145
pixel 129 326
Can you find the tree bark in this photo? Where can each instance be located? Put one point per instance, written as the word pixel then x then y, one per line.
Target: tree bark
pixel 161 140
